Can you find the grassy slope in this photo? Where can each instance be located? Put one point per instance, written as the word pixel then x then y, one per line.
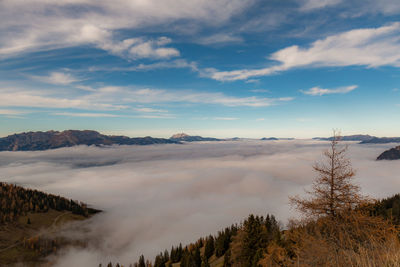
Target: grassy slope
pixel 12 234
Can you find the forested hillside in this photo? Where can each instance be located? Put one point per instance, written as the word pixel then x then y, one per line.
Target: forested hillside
pixel 30 221
pixel 16 201
pixel 32 141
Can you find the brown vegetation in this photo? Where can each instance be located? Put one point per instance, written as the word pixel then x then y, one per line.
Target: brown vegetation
pixel 333 190
pixel 29 222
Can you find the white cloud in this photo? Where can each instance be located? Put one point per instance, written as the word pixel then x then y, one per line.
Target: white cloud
pixel 11 112
pixel 107 115
pixel 176 64
pixel 323 91
pixel 150 110
pixel 52 24
pixel 122 98
pixel 353 8
pixel 225 119
pixel 90 115
pixel 220 38
pixel 371 47
pixel 43 99
pixel 285 98
pixel 308 5
pixel 259 91
pixel 155 116
pixel 148 95
pixel 149 49
pixel 135 48
pixel 55 77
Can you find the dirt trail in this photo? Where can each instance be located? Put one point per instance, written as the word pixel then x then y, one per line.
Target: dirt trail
pixel 51 227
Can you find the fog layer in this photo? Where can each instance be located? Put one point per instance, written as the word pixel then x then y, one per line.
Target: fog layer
pixel 157 196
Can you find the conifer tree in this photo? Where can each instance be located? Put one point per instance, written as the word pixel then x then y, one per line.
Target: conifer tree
pixel 197 257
pixel 333 190
pixel 209 248
pixel 142 262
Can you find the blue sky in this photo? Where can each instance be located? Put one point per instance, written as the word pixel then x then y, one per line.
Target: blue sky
pixel 223 68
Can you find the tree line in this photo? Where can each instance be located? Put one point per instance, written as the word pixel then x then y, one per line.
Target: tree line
pixel 18 201
pixel 253 235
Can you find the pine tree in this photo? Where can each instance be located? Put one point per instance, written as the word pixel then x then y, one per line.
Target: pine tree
pixel 209 248
pixel 255 238
pixel 197 257
pixel 142 262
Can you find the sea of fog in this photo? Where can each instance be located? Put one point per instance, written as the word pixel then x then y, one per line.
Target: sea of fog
pixel 157 196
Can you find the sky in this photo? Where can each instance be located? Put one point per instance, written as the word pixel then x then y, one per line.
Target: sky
pixel 221 68
pixel 154 198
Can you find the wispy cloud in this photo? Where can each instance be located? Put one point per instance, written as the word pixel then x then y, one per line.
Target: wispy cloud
pixel 59 78
pixel 107 115
pixel 167 64
pixel 225 119
pixel 370 47
pixel 51 25
pixel 220 38
pixel 155 116
pixel 126 98
pixel 259 91
pixel 43 99
pixel 149 95
pixel 308 5
pixel 90 115
pixel 11 113
pixel 135 48
pixel 318 91
pixel 150 110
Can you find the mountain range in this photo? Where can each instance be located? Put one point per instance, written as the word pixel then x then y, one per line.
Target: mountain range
pixel 55 139
pixel 31 141
pixel 381 140
pixel 364 139
pixel 356 137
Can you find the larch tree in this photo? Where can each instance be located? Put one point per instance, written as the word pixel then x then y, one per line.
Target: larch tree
pixel 333 190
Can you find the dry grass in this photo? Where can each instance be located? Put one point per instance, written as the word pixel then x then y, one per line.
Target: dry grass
pixel 15 232
pixel 355 240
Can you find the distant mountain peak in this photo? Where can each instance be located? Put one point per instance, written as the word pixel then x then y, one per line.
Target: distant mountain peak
pixel 182 137
pixel 179 136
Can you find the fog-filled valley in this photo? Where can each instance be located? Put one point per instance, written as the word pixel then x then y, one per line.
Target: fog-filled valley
pixel 157 196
